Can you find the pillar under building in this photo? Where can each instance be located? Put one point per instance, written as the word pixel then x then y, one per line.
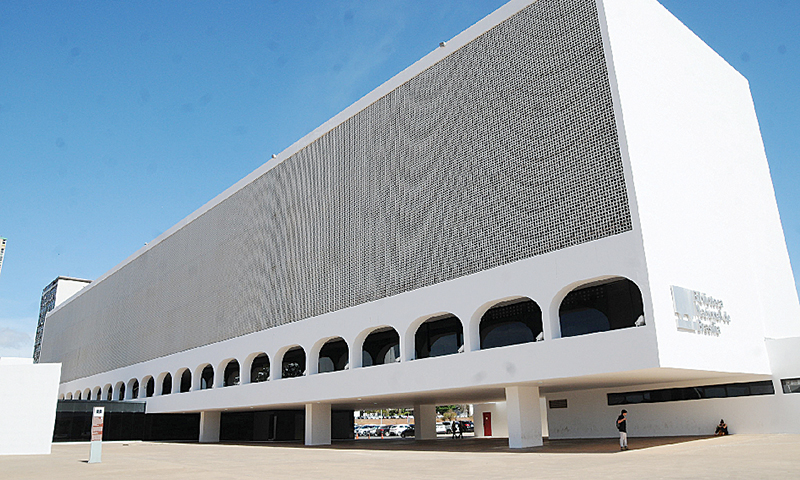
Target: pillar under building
pixel 318 424
pixel 209 426
pixel 524 417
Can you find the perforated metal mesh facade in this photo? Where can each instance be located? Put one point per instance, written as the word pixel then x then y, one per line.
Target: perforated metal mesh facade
pixel 504 150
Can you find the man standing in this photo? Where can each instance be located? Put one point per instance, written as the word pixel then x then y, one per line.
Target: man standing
pixel 622 426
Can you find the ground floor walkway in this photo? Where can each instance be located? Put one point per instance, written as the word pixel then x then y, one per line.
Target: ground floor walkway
pixel 736 456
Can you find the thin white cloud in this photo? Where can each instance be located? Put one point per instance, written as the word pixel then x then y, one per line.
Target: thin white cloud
pixel 13 339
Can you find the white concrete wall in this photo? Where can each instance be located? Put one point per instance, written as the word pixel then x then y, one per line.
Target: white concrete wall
pixel 499 419
pixel 708 215
pixel 67 288
pixel 28 398
pixel 588 414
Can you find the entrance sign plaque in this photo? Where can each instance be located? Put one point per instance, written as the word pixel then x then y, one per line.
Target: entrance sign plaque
pixel 97 434
pixel 697 312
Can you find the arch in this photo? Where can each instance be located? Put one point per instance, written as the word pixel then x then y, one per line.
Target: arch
pixel 108 392
pixel 148 386
pixel 334 355
pixel 439 335
pixel 381 345
pixel 203 377
pixel 76 395
pixel 119 391
pixel 511 322
pixel 293 362
pixel 87 394
pixel 61 396
pixel 98 393
pixel 132 389
pixel 231 373
pixel 599 306
pixel 164 384
pixel 68 396
pixel 259 367
pixel 184 380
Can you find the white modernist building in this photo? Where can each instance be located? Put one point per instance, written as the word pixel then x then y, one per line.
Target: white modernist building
pixel 563 211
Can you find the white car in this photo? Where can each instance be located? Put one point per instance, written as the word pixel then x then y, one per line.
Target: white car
pixel 397 430
pixel 441 428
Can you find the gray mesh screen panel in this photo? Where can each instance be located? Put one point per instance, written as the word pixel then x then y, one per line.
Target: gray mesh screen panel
pixel 504 150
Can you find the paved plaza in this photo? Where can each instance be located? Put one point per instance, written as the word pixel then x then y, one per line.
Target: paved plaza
pixel 737 456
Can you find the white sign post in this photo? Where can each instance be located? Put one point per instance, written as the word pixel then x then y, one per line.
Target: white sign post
pixel 97 434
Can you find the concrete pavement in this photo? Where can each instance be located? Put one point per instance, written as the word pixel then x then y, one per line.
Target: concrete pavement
pixel 737 456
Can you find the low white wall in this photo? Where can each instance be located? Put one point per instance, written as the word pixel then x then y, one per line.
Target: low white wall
pixel 28 398
pixel 588 415
pixel 499 419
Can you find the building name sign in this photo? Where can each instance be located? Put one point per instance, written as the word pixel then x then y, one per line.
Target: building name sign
pixel 697 312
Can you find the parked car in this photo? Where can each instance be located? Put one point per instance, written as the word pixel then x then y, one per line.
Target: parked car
pixel 383 430
pixel 441 428
pixel 397 430
pixel 408 432
pixel 467 426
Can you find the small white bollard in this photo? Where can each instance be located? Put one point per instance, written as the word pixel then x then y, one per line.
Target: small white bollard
pixel 96 449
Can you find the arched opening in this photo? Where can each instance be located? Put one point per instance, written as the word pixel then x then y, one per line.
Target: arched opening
pixel 133 387
pixel 231 376
pixel 166 384
pixel 294 363
pixel 61 396
pixel 439 336
pixel 186 381
pixel 77 395
pixel 207 377
pixel 109 392
pixel 380 347
pixel 601 306
pixel 510 323
pixel 149 387
pixel 69 396
pixel 98 393
pixel 121 391
pixel 259 369
pixel 334 355
pixel 87 394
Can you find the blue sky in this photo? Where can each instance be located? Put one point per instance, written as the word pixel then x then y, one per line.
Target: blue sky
pixel 118 119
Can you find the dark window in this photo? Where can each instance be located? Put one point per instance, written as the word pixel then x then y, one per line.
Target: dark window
pixel 294 363
pixel 231 374
pixel 110 394
pixel 121 392
pixel 599 308
pixel 207 378
pixel 692 393
pixel 380 347
pixel 333 356
pixel 166 384
pixel 150 387
pixel 791 385
pixel 562 403
pixel 186 381
pixel 135 389
pixel 259 370
pixel 439 336
pixel 510 323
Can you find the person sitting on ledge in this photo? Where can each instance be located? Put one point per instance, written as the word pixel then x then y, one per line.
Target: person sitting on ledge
pixel 722 428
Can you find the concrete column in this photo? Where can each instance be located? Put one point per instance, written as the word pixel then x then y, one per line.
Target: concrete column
pixel 318 424
pixel 524 419
pixel 424 422
pixel 209 426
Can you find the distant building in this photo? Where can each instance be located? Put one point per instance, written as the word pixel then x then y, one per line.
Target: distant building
pixel 53 295
pixel 2 251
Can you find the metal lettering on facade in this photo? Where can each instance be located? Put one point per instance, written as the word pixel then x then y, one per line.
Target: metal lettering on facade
pixel 698 312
